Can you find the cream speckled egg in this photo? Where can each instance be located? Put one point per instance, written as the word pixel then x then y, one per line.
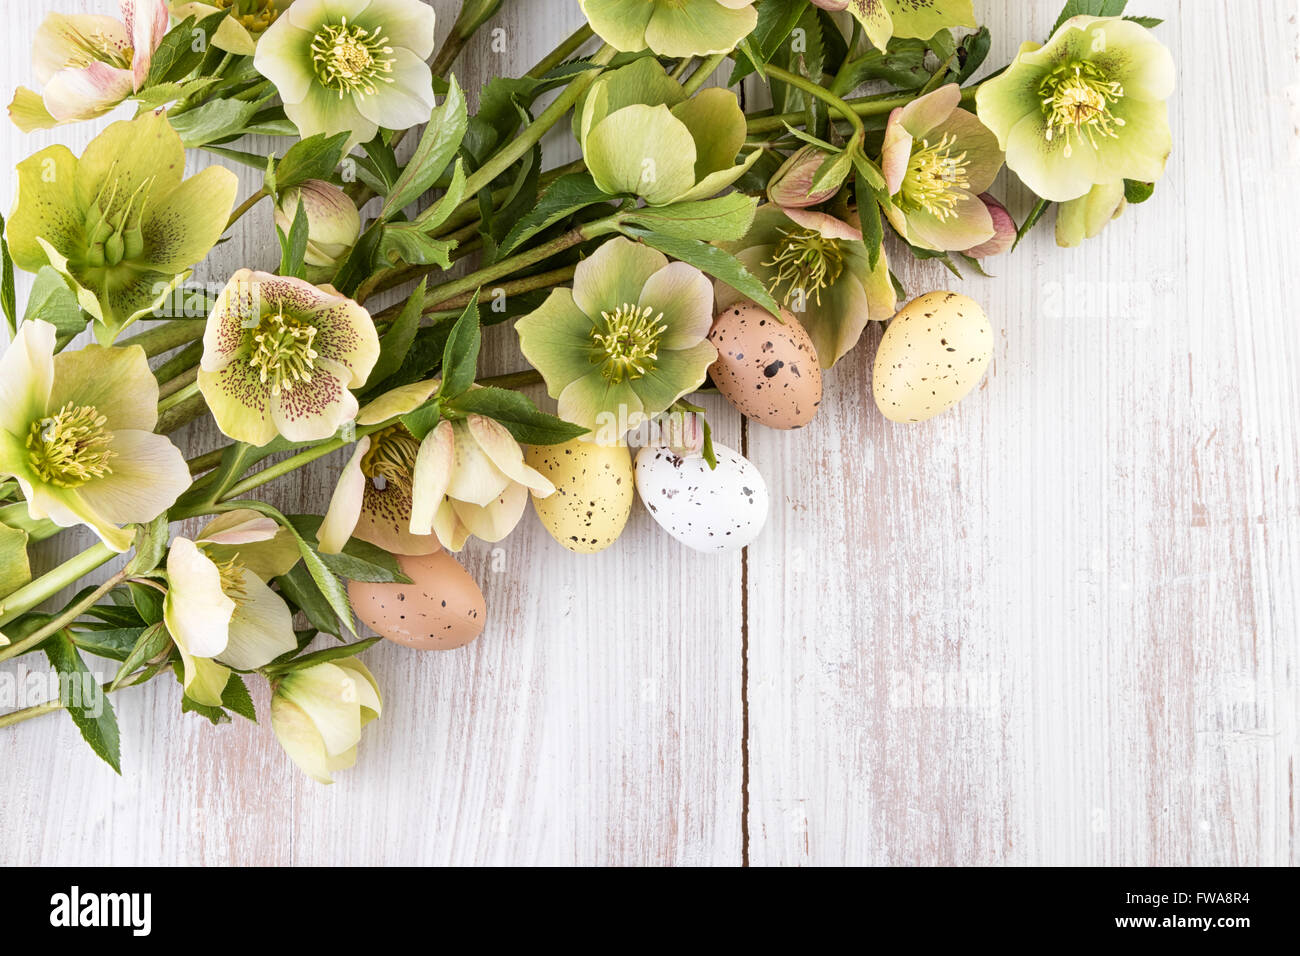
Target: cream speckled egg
pixel 593 492
pixel 442 608
pixel 767 369
pixel 933 353
pixel 720 509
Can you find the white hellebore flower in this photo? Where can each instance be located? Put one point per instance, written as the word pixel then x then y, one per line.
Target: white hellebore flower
pixel 317 714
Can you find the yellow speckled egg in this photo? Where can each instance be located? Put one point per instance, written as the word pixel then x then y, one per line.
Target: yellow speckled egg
pixel 442 608
pixel 933 353
pixel 767 369
pixel 593 492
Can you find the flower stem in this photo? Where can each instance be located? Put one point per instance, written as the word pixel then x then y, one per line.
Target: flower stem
pixel 63 620
pixel 562 52
pixel 816 91
pixel 184 360
pixel 701 76
pixel 167 335
pixel 246 205
pixel 292 463
pixel 54 581
pixel 514 379
pixel 177 396
pixel 877 105
pixel 205 462
pixel 27 713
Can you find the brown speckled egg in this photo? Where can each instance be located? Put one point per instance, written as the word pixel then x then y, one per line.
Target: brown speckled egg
pixel 933 353
pixel 442 608
pixel 767 369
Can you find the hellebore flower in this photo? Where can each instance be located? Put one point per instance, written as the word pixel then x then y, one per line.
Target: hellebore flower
pixel 351 65
pixel 673 28
pixel 937 159
pixel 239 32
pixel 218 608
pixel 76 433
pixel 629 339
pixel 118 223
pixel 333 222
pixel 819 268
pixel 791 185
pixel 88 64
pixel 641 135
pixel 317 714
pixel 279 356
pixel 1086 109
pixel 466 477
pixel 917 19
pixel 1085 217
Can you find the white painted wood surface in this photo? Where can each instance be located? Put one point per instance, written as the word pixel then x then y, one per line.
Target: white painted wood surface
pixel 1057 625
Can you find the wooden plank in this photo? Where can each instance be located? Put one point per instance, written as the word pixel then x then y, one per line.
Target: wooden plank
pixel 597 721
pixel 1096 552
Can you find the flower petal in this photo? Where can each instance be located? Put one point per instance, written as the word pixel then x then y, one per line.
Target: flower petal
pixel 406 101
pixel 300 739
pixel 261 628
pixel 58 40
pixel 148 23
pixel 643 150
pixel 496 519
pixel 696 29
pixel 614 275
pixel 47 208
pixel 328 695
pixel 452 535
pixel 1009 97
pixel 676 373
pixel 474 478
pixel 181 227
pixel 323 111
pixel 82 93
pixel 556 340
pixel 130 154
pixel 500 446
pixel 620 23
pixel 717 125
pixel 369 699
pixel 407 24
pixel 196 609
pixel 284 57
pixel 896 153
pixel 26 377
pixel 115 381
pixel 923 115
pixel 594 402
pixel 433 466
pixel 148 475
pixel 345 504
pixel 312 411
pixel 28 112
pixel 67 508
pixel 385 521
pixel 684 295
pixel 1043 166
pixel 204 680
pixel 346 336
pixel 397 401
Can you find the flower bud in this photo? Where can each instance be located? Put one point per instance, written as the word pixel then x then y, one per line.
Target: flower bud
pixel 790 186
pixel 333 222
pixel 317 714
pixel 1004 230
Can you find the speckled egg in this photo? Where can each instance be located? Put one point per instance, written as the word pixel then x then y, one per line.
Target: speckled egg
pixel 767 369
pixel 442 608
pixel 722 509
pixel 593 492
pixel 933 353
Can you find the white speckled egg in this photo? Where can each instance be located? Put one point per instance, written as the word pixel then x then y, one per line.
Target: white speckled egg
pixel 933 353
pixel 593 492
pixel 722 509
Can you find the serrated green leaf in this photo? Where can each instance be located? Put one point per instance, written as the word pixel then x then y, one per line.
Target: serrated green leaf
pixel 519 415
pixel 460 356
pixel 86 702
pixel 1089 8
pixel 564 197
pixel 150 545
pixel 152 642
pixel 293 247
pixel 1031 220
pixel 299 588
pixel 442 138
pixel 212 121
pixel 315 157
pixel 236 699
pixel 7 294
pixel 323 656
pixel 396 342
pixel 725 219
pixel 113 643
pixel 424 419
pixel 359 561
pixel 148 601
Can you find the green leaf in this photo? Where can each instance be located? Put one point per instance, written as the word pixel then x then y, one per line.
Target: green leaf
pixel 408 242
pixel 397 340
pixel 150 545
pixel 1090 8
pixel 442 137
pixel 147 600
pixel 725 219
pixel 214 120
pixel 113 643
pixel 315 157
pixel 52 301
pixel 236 699
pixel 564 197
pixel 152 642
pixel 447 203
pixel 424 419
pixel 293 247
pixel 360 560
pixel 518 414
pixel 972 53
pixel 460 356
pixel 323 656
pixel 776 19
pixel 1149 22
pixel 1138 192
pixel 361 261
pixel 1031 220
pixel 7 296
pixel 713 261
pixel 15 569
pixel 176 57
pixel 873 229
pixel 299 588
pixel 86 702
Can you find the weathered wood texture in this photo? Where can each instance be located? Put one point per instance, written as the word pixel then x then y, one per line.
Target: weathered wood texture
pixel 1057 625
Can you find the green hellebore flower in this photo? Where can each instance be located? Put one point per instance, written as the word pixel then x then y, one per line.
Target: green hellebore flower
pixel 641 135
pixel 318 712
pixel 279 358
pixel 673 28
pixel 937 160
pixel 1085 217
pixel 627 341
pixel 244 25
pixel 351 65
pixel 819 268
pixel 76 433
pixel 15 570
pixel 1086 109
pixel 918 19
pixel 119 223
pixel 219 610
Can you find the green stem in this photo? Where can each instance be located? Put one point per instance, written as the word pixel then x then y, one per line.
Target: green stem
pixel 180 414
pixel 54 581
pixel 562 52
pixel 877 105
pixel 514 379
pixel 63 620
pixel 179 363
pixel 813 90
pixel 178 396
pixel 27 713
pixel 291 463
pixel 700 76
pixel 205 462
pixel 246 205
pixel 167 335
